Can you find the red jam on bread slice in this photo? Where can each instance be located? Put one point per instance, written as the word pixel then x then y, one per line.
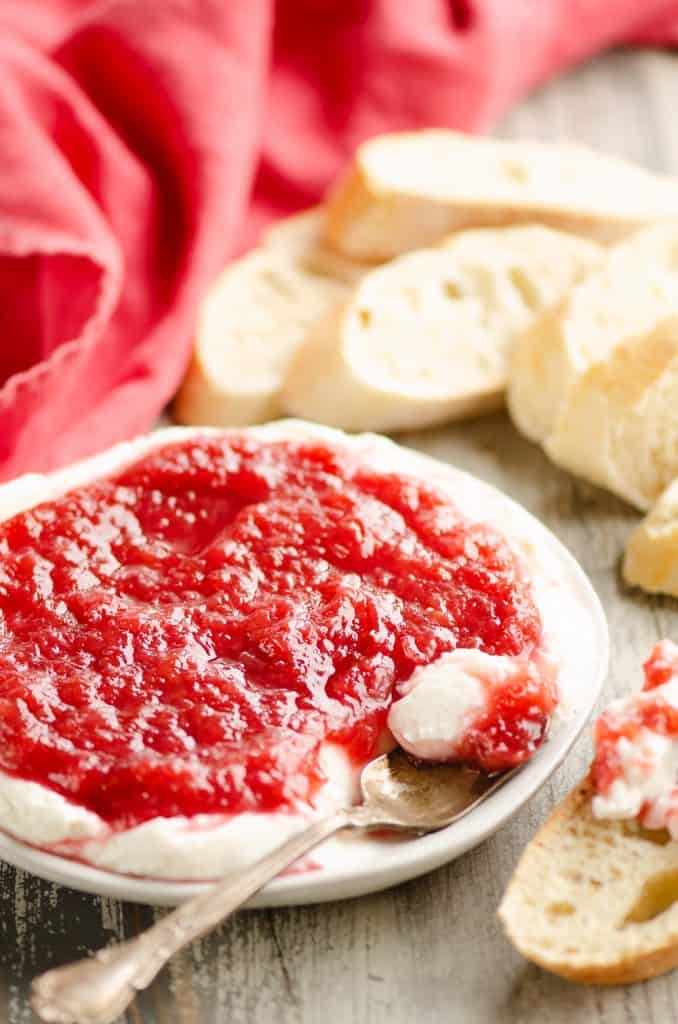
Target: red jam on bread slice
pixel 635 769
pixel 181 637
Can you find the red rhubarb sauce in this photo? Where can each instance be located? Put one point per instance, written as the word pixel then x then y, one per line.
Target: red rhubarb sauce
pixel 181 637
pixel 645 711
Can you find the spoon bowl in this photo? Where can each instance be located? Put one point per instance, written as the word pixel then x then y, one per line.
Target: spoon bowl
pixel 404 794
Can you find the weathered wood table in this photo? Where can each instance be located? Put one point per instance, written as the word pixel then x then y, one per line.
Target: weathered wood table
pixel 430 950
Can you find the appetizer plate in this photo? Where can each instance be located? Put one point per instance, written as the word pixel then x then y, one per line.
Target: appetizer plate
pixel 354 864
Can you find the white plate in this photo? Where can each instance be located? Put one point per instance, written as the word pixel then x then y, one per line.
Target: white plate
pixel 362 864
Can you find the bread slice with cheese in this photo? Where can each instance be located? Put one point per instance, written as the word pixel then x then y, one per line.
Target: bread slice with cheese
pixel 594 900
pixel 651 557
pixel 253 319
pixel 407 191
pixel 426 338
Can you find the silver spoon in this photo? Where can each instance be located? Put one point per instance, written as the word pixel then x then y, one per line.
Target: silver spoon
pixel 397 794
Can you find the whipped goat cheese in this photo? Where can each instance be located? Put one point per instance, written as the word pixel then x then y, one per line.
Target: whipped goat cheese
pixel 440 701
pixel 444 703
pixel 636 761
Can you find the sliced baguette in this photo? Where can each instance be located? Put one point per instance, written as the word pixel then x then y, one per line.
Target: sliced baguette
pixel 252 321
pixel 619 425
pixel 593 900
pixel 301 239
pixel 426 338
pixel 406 191
pixel 629 296
pixel 651 557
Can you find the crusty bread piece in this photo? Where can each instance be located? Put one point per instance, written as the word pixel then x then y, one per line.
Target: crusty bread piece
pixel 619 424
pixel 253 319
pixel 426 337
pixel 593 900
pixel 634 290
pixel 301 239
pixel 406 191
pixel 249 326
pixel 651 558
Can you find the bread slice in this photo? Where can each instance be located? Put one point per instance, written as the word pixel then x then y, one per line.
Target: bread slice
pixel 406 191
pixel 634 291
pixel 426 338
pixel 651 557
pixel 593 900
pixel 301 239
pixel 253 319
pixel 619 425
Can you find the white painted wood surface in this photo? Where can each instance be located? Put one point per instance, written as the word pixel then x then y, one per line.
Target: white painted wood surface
pixel 430 950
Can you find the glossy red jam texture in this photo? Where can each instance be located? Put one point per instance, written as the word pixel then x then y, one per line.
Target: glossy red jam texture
pixel 180 638
pixel 513 724
pixel 648 711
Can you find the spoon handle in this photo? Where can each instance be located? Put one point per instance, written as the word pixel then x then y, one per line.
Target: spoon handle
pixel 97 989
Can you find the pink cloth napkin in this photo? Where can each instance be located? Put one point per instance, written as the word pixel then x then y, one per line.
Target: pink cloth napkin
pixel 144 143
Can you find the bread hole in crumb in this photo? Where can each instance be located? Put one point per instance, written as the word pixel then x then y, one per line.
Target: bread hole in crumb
pixel 658 894
pixel 561 908
pixel 452 290
pixel 658 836
pixel 278 283
pixel 572 875
pixel 515 171
pixel 365 317
pixel 525 288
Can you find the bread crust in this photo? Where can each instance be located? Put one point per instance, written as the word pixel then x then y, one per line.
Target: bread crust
pixel 651 556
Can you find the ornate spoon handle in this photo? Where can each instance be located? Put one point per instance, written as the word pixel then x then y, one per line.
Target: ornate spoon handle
pixel 97 990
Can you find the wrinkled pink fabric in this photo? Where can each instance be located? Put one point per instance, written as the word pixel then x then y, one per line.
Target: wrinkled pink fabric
pixel 144 143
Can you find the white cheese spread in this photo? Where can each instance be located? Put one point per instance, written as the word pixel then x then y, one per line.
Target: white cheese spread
pixel 647 764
